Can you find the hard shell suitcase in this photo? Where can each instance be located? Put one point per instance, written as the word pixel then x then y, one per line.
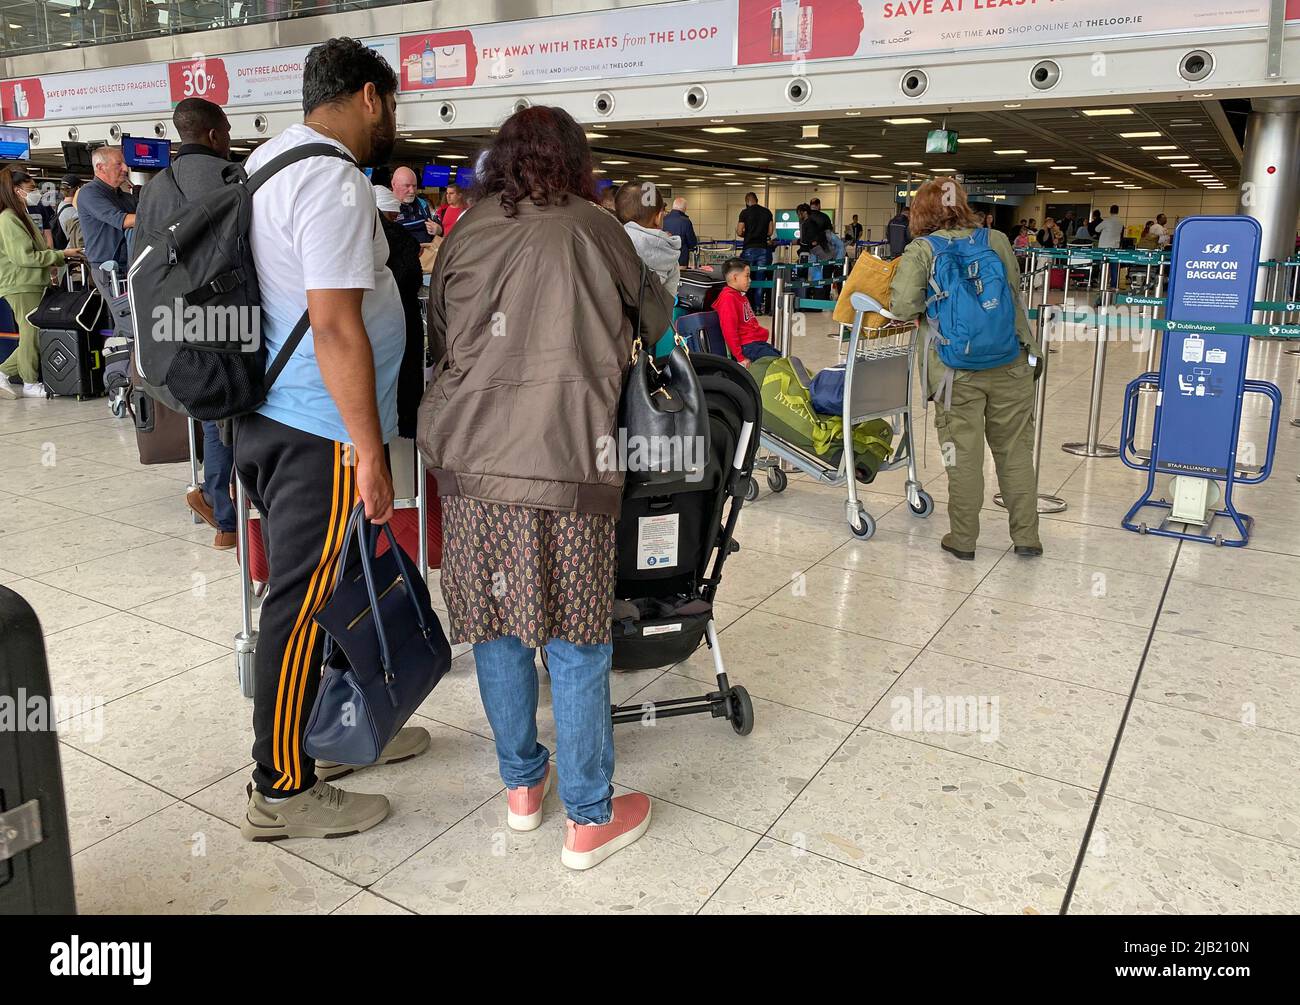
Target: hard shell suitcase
pixel 699 289
pixel 72 362
pixel 161 436
pixel 35 854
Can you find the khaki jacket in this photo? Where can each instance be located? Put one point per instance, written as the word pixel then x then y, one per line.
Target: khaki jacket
pixel 530 333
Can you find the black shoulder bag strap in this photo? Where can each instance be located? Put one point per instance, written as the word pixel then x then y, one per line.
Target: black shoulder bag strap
pixel 258 179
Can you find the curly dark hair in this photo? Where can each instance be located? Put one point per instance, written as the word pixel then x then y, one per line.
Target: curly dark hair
pixel 540 154
pixel 340 67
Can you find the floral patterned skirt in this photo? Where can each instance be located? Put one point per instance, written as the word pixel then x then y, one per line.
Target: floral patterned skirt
pixel 533 573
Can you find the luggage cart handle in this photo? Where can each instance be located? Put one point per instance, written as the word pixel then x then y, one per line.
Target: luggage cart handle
pixel 864 304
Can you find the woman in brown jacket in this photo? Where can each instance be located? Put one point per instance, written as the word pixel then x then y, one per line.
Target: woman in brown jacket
pixel 529 308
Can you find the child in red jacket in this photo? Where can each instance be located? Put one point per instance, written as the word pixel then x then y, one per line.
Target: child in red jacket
pixel 745 337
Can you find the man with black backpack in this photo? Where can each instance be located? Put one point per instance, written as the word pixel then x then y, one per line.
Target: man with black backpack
pixel 203 155
pixel 316 444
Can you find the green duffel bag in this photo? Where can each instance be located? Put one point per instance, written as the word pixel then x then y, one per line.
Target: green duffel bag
pixel 788 414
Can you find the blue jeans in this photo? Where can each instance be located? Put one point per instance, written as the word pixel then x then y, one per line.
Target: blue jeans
pixel 756 257
pixel 758 350
pixel 217 463
pixel 507 683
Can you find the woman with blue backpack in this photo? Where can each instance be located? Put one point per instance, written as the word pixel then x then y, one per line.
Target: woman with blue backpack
pixel 980 360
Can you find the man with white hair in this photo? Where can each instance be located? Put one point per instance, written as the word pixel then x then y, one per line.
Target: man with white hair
pixel 106 214
pixel 416 217
pixel 677 222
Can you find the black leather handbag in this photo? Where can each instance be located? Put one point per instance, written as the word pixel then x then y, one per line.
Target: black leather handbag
pixel 663 418
pixel 384 650
pixel 67 309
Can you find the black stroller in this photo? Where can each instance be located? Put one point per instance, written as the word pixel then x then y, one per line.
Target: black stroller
pixel 663 611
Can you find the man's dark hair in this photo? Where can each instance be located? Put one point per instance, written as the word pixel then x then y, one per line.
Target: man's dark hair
pixel 803 207
pixel 815 202
pixel 733 265
pixel 1115 209
pixel 195 117
pixel 751 195
pixel 339 68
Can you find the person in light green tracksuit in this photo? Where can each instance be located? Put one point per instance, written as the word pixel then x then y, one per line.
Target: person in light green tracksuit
pixel 25 264
pixel 996 405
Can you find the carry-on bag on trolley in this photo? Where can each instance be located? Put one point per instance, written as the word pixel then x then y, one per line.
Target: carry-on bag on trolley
pixel 161 433
pixel 35 854
pixel 68 323
pixel 699 289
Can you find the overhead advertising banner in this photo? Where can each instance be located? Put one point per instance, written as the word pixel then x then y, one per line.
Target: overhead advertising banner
pixel 630 42
pixel 772 31
pixel 265 77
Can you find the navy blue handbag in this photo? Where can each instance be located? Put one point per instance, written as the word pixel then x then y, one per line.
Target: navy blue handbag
pixel 384 650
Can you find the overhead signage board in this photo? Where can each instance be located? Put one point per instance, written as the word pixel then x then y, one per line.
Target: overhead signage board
pixel 1000 183
pixel 629 42
pixel 1213 266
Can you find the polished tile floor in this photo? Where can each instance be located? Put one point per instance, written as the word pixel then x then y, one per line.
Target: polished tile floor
pixel 1112 728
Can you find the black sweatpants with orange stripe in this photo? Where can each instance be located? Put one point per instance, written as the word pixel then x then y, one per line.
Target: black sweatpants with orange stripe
pixel 304 486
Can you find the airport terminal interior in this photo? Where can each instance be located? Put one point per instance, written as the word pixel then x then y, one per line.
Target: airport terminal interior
pixel 1110 728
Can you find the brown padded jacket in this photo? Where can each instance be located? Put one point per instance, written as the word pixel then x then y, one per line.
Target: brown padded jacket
pixel 530 333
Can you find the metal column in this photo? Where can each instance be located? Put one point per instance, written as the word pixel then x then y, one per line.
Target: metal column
pixel 1268 180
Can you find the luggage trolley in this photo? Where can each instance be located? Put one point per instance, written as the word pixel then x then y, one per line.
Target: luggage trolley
pixel 878 384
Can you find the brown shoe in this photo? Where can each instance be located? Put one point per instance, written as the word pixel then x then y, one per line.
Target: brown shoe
pixel 195 501
pixel 224 541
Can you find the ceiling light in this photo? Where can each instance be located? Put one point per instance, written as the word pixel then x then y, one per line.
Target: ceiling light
pixel 1060 191
pixel 597 136
pixel 1011 151
pixel 973 139
pixel 452 157
pixel 722 129
pixel 1081 174
pixel 731 183
pixel 879 176
pixel 425 139
pixel 1141 136
pixel 1065 167
pixel 944 170
pixel 612 163
pixel 813 146
pixel 1166 146
pixel 1012 105
pixel 690 150
pixel 1094 112
pixel 754 160
pixel 674 169
pixel 1204 94
pixel 915 121
pixel 1040 160
pixel 1172 157
pixel 846 171
pixel 724 174
pixel 864 157
pixel 803 167
pixel 907 164
pixel 695 179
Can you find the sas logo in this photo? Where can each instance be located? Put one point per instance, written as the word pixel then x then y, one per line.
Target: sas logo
pixel 1215 249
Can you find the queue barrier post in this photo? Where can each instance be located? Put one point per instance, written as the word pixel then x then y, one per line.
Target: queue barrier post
pixel 1092 446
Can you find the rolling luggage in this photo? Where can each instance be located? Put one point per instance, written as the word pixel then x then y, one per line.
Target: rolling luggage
pixel 35 853
pixel 161 433
pixel 698 290
pixel 72 362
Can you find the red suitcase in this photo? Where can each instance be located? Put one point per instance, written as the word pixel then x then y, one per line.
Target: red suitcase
pixel 406 528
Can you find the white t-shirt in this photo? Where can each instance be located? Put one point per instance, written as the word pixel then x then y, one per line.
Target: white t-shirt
pixel 315 227
pixel 1110 231
pixel 1159 232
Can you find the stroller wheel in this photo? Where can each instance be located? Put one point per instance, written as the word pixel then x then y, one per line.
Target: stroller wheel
pixel 751 490
pixel 742 711
pixel 925 504
pixel 776 479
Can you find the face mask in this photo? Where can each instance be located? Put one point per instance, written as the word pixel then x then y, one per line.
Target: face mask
pixel 34 197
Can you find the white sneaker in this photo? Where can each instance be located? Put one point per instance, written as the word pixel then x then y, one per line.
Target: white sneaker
pixel 37 390
pixel 8 390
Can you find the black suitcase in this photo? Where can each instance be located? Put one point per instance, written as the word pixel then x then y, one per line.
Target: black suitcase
pixel 35 854
pixel 699 289
pixel 72 362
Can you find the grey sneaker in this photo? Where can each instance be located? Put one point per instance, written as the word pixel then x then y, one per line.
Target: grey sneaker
pixel 410 741
pixel 321 812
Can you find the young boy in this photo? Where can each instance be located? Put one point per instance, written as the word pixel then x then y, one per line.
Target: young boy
pixel 745 337
pixel 640 209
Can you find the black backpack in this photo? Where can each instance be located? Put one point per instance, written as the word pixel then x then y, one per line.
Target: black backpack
pixel 196 304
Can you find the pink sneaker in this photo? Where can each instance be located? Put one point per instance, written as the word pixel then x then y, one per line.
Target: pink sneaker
pixel 586 845
pixel 524 805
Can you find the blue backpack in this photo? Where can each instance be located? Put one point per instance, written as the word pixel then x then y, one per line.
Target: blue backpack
pixel 972 304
